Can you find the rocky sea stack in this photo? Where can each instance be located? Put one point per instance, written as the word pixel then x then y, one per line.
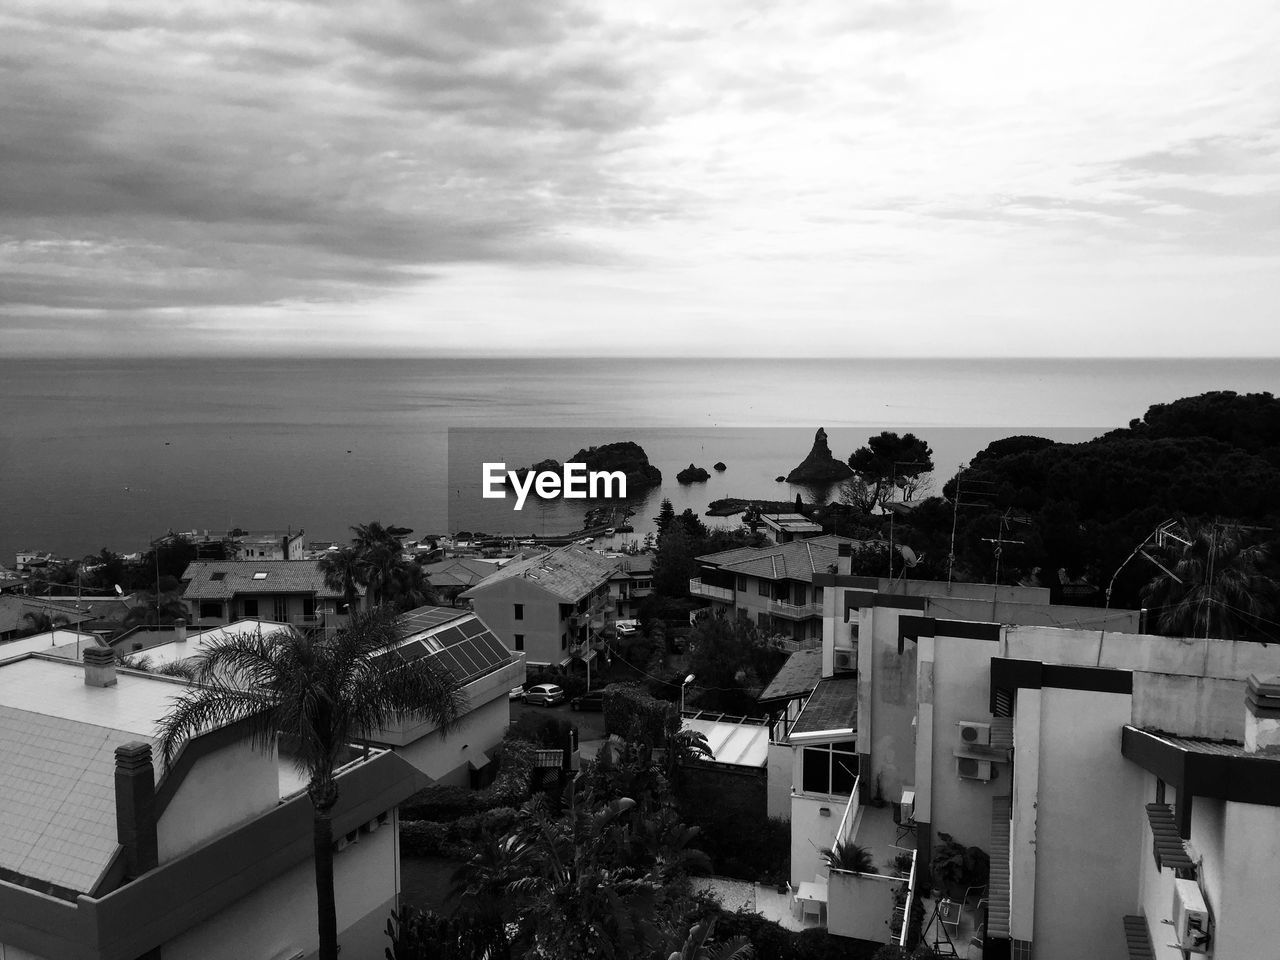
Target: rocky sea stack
pixel 820 466
pixel 625 456
pixel 719 467
pixel 692 474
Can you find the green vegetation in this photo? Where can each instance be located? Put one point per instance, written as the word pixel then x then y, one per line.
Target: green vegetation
pixel 375 561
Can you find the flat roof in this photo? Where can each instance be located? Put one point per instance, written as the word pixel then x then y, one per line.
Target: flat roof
pixel 56 688
pixel 743 744
pixel 176 651
pixel 59 642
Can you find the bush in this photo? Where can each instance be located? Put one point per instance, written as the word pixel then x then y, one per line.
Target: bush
pixel 544 729
pixel 422 838
pixel 510 788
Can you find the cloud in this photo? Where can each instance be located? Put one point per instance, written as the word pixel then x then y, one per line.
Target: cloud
pixel 567 176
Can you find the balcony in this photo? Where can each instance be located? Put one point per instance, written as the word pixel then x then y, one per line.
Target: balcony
pixel 700 589
pixel 794 611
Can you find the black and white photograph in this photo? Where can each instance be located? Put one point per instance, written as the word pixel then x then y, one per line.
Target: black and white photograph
pixel 567 480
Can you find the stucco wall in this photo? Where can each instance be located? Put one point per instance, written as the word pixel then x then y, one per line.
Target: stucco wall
pixel 1088 827
pixel 541 624
pixel 860 906
pixel 810 832
pixel 444 758
pixel 778 772
pixel 279 918
pixel 227 787
pixel 1240 889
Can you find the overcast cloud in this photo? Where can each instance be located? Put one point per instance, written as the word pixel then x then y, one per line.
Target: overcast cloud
pixel 909 177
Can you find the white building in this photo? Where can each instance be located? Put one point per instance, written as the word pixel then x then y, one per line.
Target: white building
pixel 105 857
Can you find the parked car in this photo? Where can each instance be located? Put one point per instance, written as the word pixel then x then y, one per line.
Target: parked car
pixel 626 628
pixel 591 700
pixel 516 693
pixel 547 694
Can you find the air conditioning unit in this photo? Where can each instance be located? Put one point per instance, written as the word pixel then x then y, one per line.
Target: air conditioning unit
pixel 846 661
pixel 1191 922
pixel 971 769
pixel 974 734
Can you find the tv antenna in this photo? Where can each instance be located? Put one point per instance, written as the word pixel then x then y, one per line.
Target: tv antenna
pixel 972 488
pixel 1007 520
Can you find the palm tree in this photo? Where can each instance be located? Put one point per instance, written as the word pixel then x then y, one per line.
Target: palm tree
pixel 320 693
pixel 1212 585
pixel 155 612
pixel 697 944
pixel 344 571
pixel 847 855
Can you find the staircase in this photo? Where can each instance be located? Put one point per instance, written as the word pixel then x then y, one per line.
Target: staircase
pixel 998 884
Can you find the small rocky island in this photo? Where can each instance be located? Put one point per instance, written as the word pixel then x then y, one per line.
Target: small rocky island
pixel 625 456
pixel 820 466
pixel 719 467
pixel 692 474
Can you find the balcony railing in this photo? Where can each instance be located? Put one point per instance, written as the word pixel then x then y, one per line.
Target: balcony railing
pixel 700 589
pixel 794 611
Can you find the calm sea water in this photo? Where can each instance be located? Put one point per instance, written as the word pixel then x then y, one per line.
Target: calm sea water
pixel 111 453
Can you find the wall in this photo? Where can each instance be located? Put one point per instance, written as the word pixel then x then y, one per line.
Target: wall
pixel 445 758
pixel 13 953
pixel 961 685
pixel 1244 903
pixel 778 771
pixel 1088 828
pixel 280 917
pixel 222 789
pixel 861 906
pixel 541 626
pixel 1023 817
pixel 810 832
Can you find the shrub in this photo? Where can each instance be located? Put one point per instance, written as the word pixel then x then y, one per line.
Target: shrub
pixel 422 838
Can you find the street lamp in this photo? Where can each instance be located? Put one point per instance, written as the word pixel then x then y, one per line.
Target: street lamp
pixel 687 680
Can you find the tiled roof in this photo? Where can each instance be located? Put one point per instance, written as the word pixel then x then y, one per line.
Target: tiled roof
pixel 833 705
pixel 797 560
pixel 224 579
pixel 570 572
pixel 1221 748
pixel 57 797
pixel 798 676
pixel 458 572
pixel 640 565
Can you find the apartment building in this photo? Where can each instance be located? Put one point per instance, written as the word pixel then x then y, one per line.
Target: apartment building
pixel 1125 786
pixel 551 607
pixel 106 856
pixel 630 584
pixel 773 586
pixel 282 591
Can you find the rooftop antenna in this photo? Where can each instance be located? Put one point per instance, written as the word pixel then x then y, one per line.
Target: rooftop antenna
pixel 893 483
pixel 977 488
pixel 1007 519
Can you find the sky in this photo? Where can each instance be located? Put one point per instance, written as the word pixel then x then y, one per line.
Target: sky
pixel 657 177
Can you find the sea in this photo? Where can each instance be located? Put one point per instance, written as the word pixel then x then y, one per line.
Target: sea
pixel 114 452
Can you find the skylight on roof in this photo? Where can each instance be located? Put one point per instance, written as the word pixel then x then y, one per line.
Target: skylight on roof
pixel 218 575
pixel 260 575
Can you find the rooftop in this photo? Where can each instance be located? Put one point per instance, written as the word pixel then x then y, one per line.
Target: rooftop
pixel 458 639
pixel 14 608
pixel 832 708
pixel 224 579
pixel 797 560
pixel 198 641
pixel 59 642
pixel 743 744
pixel 458 572
pixel 798 676
pixel 790 523
pixel 570 572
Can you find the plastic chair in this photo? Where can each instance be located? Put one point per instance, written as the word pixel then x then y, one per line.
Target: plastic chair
pixel 813 907
pixel 949 916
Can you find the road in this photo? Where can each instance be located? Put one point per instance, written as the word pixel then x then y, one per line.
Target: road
pixel 590 723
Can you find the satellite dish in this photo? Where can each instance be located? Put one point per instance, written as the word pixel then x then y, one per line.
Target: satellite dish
pixel 119 592
pixel 908 555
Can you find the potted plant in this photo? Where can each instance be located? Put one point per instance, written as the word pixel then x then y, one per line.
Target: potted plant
pixel 902 862
pixel 878 800
pixel 949 865
pixel 847 855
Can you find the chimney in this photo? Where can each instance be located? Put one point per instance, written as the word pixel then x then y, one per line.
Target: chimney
pixel 99 667
pixel 136 808
pixel 180 630
pixel 1262 715
pixel 844 559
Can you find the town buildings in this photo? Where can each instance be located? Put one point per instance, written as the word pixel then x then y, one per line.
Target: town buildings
pixel 1125 786
pixel 104 855
pixel 282 591
pixel 551 606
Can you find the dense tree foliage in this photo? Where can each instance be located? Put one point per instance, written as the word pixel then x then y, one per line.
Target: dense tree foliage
pixel 890 462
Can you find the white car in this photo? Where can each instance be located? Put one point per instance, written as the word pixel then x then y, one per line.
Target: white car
pixel 626 628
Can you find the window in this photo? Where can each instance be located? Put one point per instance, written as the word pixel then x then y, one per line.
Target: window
pixel 218 575
pixel 564 641
pixel 519 613
pixel 260 575
pixel 762 621
pixel 211 609
pixel 742 584
pixel 282 610
pixel 250 606
pixel 643 584
pixel 519 641
pixel 765 588
pixel 308 606
pixel 830 769
pixel 817 595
